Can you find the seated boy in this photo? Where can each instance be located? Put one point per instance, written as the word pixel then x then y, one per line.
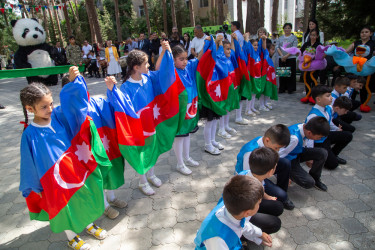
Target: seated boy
pixel 341 107
pixel 340 139
pixel 229 220
pixel 263 163
pixel 275 137
pixel 341 85
pixel 298 151
pixel 356 84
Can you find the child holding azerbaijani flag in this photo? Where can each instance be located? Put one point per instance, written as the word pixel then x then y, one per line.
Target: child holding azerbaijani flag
pixel 61 160
pixel 150 108
pixel 186 70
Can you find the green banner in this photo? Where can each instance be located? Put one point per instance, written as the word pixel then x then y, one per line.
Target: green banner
pixel 14 73
pixel 210 29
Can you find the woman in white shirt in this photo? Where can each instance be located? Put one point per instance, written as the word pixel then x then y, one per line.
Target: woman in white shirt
pixel 313 25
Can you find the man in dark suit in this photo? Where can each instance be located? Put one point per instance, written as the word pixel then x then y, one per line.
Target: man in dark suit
pixel 59 55
pixel 144 45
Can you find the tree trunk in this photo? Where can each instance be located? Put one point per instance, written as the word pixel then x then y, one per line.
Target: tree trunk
pixel 275 12
pixel 261 13
pixel 45 24
pixel 213 11
pixel 306 13
pixel 313 9
pixel 118 24
pixel 165 16
pixel 192 16
pixel 147 16
pixel 57 22
pixel 220 9
pixel 32 9
pixel 67 20
pixel 5 18
pixel 91 6
pixel 174 20
pixel 239 14
pixel 91 24
pixel 75 14
pixel 252 19
pixel 51 20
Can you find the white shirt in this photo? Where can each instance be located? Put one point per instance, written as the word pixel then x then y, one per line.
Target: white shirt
pixel 240 38
pixel 332 126
pixel 334 91
pixel 86 49
pixel 198 43
pixel 321 37
pixel 249 231
pixel 140 82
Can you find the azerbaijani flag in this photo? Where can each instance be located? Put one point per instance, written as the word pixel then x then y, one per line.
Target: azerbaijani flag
pixel 148 116
pixel 103 115
pixel 254 66
pixel 188 78
pixel 215 85
pixel 242 74
pixel 268 70
pixel 63 162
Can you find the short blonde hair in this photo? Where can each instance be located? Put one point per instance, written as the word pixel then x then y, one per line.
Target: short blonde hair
pixel 262 29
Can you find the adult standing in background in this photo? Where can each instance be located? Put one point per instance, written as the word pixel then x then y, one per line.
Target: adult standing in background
pixel 198 42
pixel 59 55
pixel 154 48
pixel 86 48
pixel 112 58
pixel 187 44
pixel 144 44
pixel 287 60
pixel 235 27
pixel 313 25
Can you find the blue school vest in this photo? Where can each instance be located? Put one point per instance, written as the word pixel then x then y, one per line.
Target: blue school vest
pixel 317 112
pixel 335 96
pixel 294 130
pixel 213 227
pixel 248 147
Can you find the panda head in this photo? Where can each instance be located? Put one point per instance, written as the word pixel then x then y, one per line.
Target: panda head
pixel 28 32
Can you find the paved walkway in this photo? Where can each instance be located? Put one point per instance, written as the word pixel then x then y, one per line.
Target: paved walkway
pixel 342 218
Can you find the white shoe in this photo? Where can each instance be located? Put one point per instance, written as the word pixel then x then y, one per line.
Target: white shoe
pixel 154 181
pixel 190 162
pixel 146 189
pixel 224 134
pixel 211 150
pixel 183 169
pixel 250 113
pixel 231 131
pixel 263 108
pixel 217 145
pixel 242 121
pixel 269 106
pixel 255 111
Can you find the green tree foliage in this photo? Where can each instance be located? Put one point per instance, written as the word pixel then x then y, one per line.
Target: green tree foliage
pixel 344 18
pixel 6 34
pixel 107 25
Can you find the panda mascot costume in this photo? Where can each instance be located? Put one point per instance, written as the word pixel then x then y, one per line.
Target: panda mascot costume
pixel 33 51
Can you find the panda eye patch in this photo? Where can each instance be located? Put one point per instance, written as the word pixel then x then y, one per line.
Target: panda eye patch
pixel 25 32
pixel 37 29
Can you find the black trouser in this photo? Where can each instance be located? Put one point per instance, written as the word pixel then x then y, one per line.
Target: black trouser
pixel 340 139
pixel 282 173
pixel 344 125
pixel 93 68
pixel 288 83
pixel 267 216
pixel 355 105
pixel 363 92
pixel 299 175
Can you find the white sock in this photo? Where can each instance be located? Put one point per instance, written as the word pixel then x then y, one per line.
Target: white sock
pixel 253 102
pixel 226 121
pixel 266 100
pixel 222 123
pixel 207 132
pixel 261 101
pixel 239 111
pixel 70 234
pixel 213 130
pixel 106 204
pixel 89 225
pixel 142 179
pixel 151 172
pixel 110 195
pixel 178 149
pixel 248 106
pixel 186 146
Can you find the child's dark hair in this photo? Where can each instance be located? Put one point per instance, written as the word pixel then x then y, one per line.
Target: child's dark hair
pixel 135 58
pixel 253 40
pixel 361 79
pixel 343 102
pixel 242 193
pixel 341 81
pixel 351 76
pixel 319 91
pixel 316 31
pixel 225 42
pixel 31 95
pixel 177 50
pixel 72 37
pixel 318 125
pixel 278 134
pixel 263 160
pixel 64 81
pixel 270 45
pixel 237 24
pixel 367 28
